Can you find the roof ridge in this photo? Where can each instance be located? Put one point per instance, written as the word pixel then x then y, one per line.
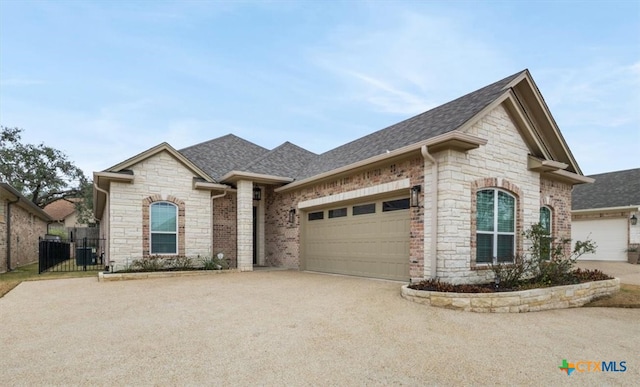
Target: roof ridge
pixel 229 135
pixel 274 150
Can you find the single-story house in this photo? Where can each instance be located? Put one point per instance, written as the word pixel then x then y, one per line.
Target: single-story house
pixel 64 214
pixel 607 212
pixel 439 195
pixel 21 224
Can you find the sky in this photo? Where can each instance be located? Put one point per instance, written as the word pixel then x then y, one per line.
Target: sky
pixel 105 80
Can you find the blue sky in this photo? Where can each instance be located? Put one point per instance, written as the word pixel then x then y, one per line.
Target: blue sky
pixel 105 80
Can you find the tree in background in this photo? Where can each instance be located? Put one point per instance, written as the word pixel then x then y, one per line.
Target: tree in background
pixel 42 174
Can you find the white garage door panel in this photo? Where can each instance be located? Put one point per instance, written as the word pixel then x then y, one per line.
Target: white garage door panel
pixel 609 234
pixel 369 245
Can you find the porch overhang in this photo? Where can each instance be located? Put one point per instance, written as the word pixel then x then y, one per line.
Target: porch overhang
pixel 235 176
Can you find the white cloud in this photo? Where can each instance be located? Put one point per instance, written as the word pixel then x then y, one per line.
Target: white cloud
pixel 410 63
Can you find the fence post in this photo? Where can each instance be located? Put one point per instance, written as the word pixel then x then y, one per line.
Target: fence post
pixel 84 253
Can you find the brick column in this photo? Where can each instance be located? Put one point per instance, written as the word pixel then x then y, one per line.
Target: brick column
pixel 245 225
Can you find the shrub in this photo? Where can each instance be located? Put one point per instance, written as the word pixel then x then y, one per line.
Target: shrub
pixel 546 263
pixel 180 263
pixel 214 263
pixel 148 264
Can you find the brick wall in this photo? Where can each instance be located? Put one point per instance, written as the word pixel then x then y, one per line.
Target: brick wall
pixel 282 239
pixel 26 228
pixel 224 227
pixel 557 196
pixel 160 177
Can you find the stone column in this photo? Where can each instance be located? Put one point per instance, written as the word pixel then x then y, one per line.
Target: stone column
pixel 260 220
pixel 244 218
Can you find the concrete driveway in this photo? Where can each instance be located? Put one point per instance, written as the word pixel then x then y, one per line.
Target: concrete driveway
pixel 292 328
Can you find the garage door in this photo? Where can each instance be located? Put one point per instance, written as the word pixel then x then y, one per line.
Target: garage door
pixel 369 239
pixel 609 234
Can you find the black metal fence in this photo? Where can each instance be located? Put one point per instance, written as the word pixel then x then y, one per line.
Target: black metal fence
pixel 71 255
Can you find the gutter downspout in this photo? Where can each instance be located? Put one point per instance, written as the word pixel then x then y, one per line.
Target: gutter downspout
pixel 108 230
pixel 433 247
pixel 9 203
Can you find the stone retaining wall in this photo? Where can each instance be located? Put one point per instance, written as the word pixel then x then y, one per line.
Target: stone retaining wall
pixel 107 277
pixel 533 300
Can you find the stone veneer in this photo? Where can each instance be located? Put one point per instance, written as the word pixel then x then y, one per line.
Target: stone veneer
pixel 160 177
pixel 533 300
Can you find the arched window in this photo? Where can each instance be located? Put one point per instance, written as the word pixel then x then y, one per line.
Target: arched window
pixel 164 227
pixel 545 223
pixel 495 226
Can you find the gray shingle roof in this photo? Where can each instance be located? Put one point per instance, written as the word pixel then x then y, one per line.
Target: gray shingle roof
pixel 219 156
pixel 223 154
pixel 286 160
pixel 437 121
pixel 611 189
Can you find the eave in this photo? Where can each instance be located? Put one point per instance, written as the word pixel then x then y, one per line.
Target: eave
pixel 235 176
pixel 586 211
pixel 204 185
pixel 539 165
pixel 567 177
pixel 102 180
pixel 455 140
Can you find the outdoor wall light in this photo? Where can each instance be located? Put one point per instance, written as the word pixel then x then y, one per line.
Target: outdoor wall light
pixel 415 195
pixel 292 215
pixel 257 193
pixel 634 220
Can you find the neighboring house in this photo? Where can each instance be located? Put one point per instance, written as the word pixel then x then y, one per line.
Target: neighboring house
pixel 21 224
pixel 64 215
pixel 607 212
pixel 440 195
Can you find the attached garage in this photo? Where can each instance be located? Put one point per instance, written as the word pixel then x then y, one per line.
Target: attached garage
pixel 609 234
pixel 368 239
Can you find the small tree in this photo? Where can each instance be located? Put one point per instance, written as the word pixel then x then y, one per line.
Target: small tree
pixel 41 173
pixel 546 262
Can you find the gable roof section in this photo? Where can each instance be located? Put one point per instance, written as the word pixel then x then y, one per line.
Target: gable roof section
pixel 163 147
pixel 285 160
pixel 223 154
pixel 61 208
pixel 442 119
pixel 611 189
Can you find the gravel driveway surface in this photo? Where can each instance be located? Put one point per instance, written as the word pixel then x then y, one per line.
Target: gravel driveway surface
pixel 292 328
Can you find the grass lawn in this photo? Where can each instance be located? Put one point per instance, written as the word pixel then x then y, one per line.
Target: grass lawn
pixel 627 297
pixel 13 278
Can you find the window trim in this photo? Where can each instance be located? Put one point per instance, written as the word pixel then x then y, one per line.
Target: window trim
pixel 495 233
pixel 175 233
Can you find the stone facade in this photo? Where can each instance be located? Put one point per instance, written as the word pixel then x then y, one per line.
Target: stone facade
pixel 157 178
pixel 501 163
pixel 26 229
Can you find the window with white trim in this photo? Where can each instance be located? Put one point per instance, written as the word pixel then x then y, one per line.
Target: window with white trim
pixel 164 228
pixel 495 226
pixel 545 223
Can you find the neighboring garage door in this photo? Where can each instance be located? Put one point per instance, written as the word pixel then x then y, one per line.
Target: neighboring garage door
pixel 369 239
pixel 609 234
